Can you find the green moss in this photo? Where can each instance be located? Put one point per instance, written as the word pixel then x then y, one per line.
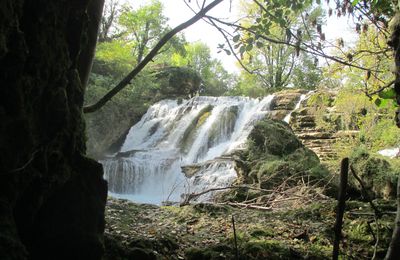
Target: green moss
pixel 224 126
pixel 216 252
pixel 211 209
pixel 262 232
pixel 188 135
pixel 274 155
pixel 266 249
pixel 202 119
pixel 377 174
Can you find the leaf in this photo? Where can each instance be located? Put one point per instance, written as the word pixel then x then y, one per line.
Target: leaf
pixel 259 44
pixel 250 40
pixel 242 49
pixel 236 38
pixel 378 102
pixel 388 94
pixel 384 102
pixel 354 2
pixel 249 47
pixel 228 52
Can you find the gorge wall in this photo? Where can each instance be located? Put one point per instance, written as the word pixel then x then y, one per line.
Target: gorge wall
pixel 52 197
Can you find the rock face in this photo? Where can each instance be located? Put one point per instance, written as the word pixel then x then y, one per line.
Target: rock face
pixel 52 197
pixel 315 122
pixel 284 102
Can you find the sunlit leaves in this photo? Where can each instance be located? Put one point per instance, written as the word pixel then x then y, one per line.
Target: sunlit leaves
pixel 388 94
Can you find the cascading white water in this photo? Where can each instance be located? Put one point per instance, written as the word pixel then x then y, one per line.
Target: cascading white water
pixel 171 135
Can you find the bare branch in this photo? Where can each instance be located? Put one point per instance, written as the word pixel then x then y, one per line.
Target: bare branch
pixel 370 94
pixel 307 48
pixel 230 47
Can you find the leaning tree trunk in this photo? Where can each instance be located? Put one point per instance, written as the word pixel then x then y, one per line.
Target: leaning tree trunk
pixel 52 197
pixel 394 247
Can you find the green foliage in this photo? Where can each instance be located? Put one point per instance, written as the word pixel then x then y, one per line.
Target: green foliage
pixel 274 63
pixel 215 79
pixel 113 58
pixel 178 82
pixel 145 26
pixel 376 126
pixel 248 85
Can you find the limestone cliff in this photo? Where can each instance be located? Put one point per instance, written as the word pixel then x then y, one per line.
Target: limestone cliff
pixel 316 122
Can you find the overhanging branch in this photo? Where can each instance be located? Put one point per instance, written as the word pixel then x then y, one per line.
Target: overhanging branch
pixel 124 82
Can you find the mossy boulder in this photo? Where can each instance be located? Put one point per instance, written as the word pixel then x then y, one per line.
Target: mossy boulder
pixel 274 155
pixel 378 176
pixel 272 137
pixel 189 134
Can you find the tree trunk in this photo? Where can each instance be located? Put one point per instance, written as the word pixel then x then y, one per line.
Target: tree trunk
pixel 52 197
pixel 394 247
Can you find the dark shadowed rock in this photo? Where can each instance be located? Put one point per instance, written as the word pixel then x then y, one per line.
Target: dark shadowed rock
pixel 52 197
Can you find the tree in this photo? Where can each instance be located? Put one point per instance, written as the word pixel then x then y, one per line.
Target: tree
pixel 278 65
pixel 143 26
pixel 52 197
pixel 154 51
pixel 110 13
pixel 215 79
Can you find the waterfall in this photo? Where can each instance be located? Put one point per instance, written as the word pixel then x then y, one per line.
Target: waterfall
pixel 199 133
pixel 302 97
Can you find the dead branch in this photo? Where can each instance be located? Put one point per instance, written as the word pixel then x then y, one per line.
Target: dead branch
pixel 235 238
pixel 192 196
pixel 364 191
pixel 344 171
pixel 247 206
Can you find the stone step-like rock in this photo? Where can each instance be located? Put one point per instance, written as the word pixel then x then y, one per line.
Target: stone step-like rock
pixel 315 135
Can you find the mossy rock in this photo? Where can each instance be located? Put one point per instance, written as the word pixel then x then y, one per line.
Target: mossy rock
pixel 188 135
pixel 223 127
pixel 378 176
pixel 274 154
pixel 273 137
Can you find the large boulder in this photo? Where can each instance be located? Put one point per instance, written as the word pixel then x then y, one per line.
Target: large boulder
pixel 378 176
pixel 274 155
